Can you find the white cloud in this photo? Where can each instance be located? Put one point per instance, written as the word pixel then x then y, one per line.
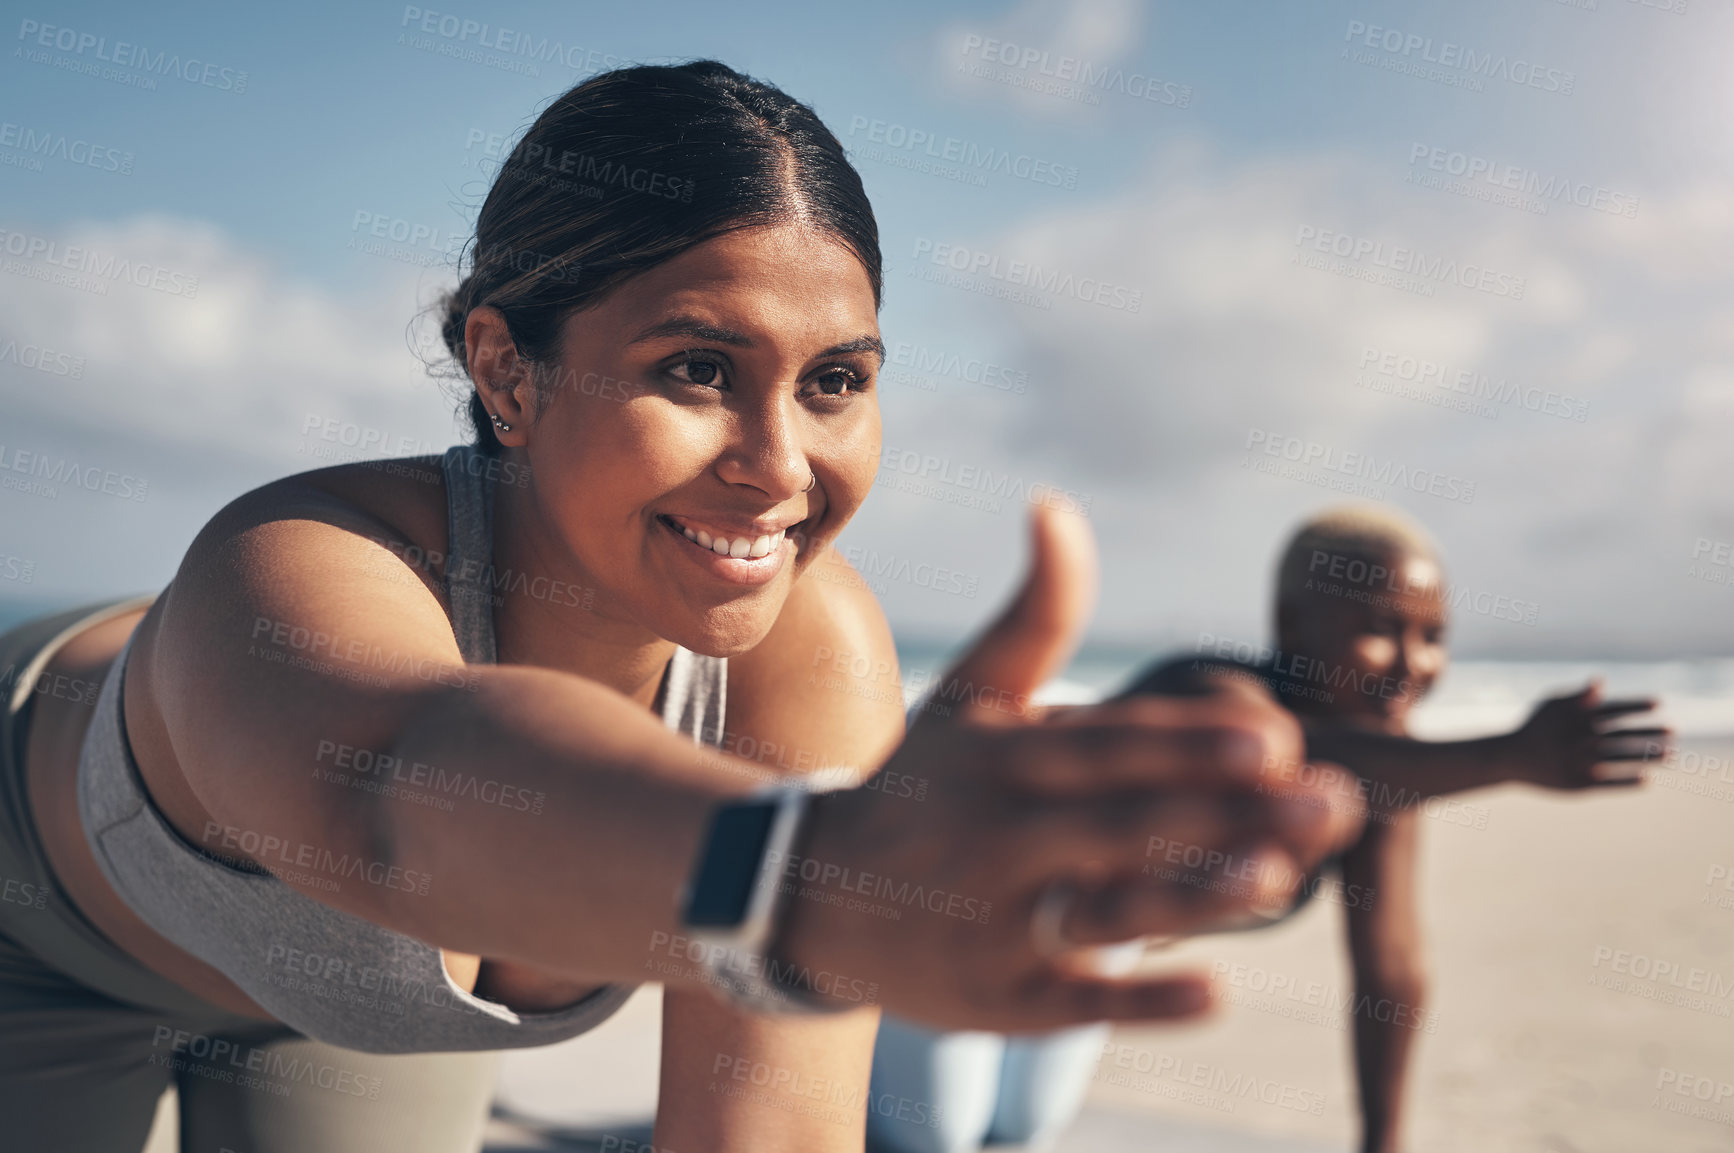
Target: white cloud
pixel 237 366
pixel 1152 411
pixel 199 395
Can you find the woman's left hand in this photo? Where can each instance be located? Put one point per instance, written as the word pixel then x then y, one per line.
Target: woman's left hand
pixel 1569 742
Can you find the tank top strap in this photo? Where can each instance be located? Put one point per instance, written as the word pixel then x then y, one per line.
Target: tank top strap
pixel 693 696
pixel 470 551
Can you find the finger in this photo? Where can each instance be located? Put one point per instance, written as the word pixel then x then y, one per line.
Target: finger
pixel 1124 840
pixel 1091 758
pixel 1035 636
pixel 1624 706
pixel 1255 888
pixel 1608 756
pixel 1615 776
pixel 1120 776
pixel 1633 745
pixel 1240 742
pixel 1187 864
pixel 1164 711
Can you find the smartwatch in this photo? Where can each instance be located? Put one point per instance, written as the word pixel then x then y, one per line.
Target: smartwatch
pixel 732 903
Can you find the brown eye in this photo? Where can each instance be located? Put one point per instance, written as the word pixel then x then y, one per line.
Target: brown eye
pixel 837 382
pixel 700 371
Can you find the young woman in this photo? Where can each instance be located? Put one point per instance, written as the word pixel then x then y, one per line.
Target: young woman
pixel 1361 615
pixel 401 767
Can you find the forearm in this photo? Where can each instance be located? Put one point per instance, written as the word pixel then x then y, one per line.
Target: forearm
pixel 608 810
pixel 1403 769
pixel 735 1082
pixel 1409 770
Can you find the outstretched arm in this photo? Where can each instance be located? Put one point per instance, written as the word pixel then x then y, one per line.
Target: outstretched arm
pixel 281 637
pixel 1569 742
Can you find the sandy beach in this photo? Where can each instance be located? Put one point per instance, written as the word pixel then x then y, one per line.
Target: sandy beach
pixel 1542 1031
pixel 1546 1029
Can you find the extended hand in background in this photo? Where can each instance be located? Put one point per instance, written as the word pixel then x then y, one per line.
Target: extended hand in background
pixel 1569 742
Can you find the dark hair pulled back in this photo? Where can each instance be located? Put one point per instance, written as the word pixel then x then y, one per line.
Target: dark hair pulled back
pixel 630 169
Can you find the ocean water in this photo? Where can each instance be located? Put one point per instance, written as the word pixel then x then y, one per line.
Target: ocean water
pixel 1473 698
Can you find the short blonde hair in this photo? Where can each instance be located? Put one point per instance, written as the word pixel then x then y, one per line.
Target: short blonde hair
pixel 1360 530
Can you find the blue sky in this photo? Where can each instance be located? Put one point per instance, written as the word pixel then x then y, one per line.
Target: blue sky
pixel 1297 129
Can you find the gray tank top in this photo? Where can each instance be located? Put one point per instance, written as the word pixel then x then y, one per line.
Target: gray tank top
pixel 328 974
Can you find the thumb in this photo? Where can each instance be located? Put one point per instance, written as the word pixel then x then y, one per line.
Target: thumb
pixel 1035 636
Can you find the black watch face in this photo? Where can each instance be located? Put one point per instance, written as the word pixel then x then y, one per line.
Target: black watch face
pixel 724 883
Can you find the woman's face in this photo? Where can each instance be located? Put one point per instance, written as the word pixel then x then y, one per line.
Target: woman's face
pixel 690 410
pixel 1388 631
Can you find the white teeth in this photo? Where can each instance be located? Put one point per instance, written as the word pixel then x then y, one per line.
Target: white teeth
pixel 740 548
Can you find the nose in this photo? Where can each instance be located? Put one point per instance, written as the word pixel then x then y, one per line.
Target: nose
pixel 1416 661
pixel 766 450
pixel 1404 660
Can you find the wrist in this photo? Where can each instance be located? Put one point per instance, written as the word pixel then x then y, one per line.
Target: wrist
pixel 1509 758
pixel 799 933
pixel 736 899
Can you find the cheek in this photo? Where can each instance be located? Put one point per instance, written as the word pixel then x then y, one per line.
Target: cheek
pixel 850 458
pixel 612 450
pixel 1374 653
pixel 1429 662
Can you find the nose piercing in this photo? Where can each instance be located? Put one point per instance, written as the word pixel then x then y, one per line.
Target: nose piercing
pixel 812 479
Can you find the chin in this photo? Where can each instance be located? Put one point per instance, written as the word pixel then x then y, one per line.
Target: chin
pixel 727 631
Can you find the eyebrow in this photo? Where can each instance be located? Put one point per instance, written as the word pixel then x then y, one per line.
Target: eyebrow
pixel 860 344
pixel 695 329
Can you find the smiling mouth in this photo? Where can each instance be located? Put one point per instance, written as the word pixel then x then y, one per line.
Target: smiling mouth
pixel 739 547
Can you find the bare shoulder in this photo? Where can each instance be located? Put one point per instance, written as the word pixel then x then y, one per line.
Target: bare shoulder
pixel 825 676
pixel 397 505
pixel 349 550
pixel 293 601
pixel 403 500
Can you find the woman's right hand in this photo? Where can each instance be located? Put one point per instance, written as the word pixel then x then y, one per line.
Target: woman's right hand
pixel 956 904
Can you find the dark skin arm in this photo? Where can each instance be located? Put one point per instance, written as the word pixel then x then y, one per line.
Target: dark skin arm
pixel 1384 938
pixel 1568 742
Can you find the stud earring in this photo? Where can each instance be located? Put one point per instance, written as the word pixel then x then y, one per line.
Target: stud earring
pixel 500 424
